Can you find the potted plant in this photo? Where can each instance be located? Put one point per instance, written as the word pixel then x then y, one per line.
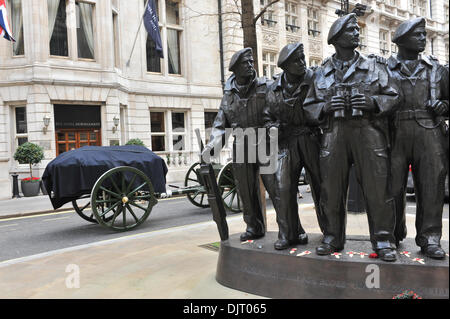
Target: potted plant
pixel 29 153
pixel 135 141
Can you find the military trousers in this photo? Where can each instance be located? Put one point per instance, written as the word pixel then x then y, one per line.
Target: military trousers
pixel 299 152
pixel 423 149
pixel 358 142
pixel 246 176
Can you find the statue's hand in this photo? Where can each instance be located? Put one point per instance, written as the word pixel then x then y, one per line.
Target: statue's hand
pixel 363 103
pixel 337 103
pixel 378 58
pixel 439 108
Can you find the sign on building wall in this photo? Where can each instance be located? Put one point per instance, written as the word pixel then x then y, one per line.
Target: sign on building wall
pixel 77 116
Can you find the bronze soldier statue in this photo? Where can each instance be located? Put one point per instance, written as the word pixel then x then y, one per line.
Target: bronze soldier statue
pixel 297 141
pixel 241 108
pixel 419 135
pixel 351 98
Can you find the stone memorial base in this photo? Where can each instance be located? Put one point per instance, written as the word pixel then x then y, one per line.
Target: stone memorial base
pixel 257 268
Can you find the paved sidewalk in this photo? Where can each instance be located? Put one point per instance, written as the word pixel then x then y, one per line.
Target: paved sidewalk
pixel 165 264
pixel 28 206
pixel 25 206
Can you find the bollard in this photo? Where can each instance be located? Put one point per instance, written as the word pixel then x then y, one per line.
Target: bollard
pixel 15 186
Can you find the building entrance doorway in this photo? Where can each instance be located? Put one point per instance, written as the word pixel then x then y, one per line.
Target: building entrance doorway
pixel 77 126
pixel 67 139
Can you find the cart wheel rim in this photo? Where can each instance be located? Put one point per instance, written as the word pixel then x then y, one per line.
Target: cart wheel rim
pixel 122 198
pixel 228 189
pixel 82 210
pixel 192 179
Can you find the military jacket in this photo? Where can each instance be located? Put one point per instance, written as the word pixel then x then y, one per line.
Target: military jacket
pixel 427 82
pixel 367 75
pixel 238 109
pixel 286 111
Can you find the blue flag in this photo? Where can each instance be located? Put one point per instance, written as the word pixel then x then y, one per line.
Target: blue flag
pixel 152 26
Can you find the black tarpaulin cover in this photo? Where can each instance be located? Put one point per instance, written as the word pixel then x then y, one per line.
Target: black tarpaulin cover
pixel 75 172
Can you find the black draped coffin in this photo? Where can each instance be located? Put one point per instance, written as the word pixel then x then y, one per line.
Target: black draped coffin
pixel 74 173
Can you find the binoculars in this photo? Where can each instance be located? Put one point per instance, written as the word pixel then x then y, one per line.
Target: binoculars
pixel 347 91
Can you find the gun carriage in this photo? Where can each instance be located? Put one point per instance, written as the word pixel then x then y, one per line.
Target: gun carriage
pixel 117 186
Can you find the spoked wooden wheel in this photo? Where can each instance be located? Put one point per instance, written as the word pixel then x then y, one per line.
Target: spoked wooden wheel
pixel 228 188
pixel 83 209
pixel 122 198
pixel 198 197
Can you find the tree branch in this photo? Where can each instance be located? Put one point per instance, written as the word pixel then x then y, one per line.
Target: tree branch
pixel 263 10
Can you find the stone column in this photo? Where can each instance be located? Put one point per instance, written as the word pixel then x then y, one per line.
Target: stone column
pixel 5 181
pixel 112 110
pixel 38 106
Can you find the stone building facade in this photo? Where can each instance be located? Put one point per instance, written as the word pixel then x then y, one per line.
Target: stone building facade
pixel 308 21
pixel 70 79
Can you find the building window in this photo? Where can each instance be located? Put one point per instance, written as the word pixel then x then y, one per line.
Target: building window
pixel 313 22
pixel 362 37
pixel 446 14
pixel 83 18
pixel 268 18
pixel 17 27
pixel 21 128
pixel 269 64
pixel 446 53
pixel 171 32
pixel 57 27
pixel 178 131
pixel 314 62
pixel 418 7
pixel 116 40
pixel 392 2
pixel 158 131
pixel 168 126
pixel 393 45
pixel 153 59
pixel 292 18
pixel 423 8
pixel 85 29
pixel 413 5
pixel 431 49
pixel 209 121
pixel 384 48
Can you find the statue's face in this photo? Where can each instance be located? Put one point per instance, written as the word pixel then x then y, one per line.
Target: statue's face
pixel 349 38
pixel 416 40
pixel 296 63
pixel 244 67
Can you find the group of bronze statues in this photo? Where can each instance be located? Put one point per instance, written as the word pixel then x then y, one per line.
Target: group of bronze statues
pixel 382 116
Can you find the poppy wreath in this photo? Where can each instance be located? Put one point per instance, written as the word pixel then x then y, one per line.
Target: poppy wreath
pixel 407 295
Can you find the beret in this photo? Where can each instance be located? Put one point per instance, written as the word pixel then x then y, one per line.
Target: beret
pixel 287 51
pixel 338 25
pixel 235 58
pixel 406 27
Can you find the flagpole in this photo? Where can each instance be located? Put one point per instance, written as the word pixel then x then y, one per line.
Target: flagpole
pixel 137 34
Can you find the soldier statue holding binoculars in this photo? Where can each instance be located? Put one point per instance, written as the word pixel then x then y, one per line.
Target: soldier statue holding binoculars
pixel 350 99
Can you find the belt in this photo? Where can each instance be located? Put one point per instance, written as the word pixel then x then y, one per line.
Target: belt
pixel 296 131
pixel 414 115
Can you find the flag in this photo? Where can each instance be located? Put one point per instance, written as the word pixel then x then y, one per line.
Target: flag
pixel 152 26
pixel 5 29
